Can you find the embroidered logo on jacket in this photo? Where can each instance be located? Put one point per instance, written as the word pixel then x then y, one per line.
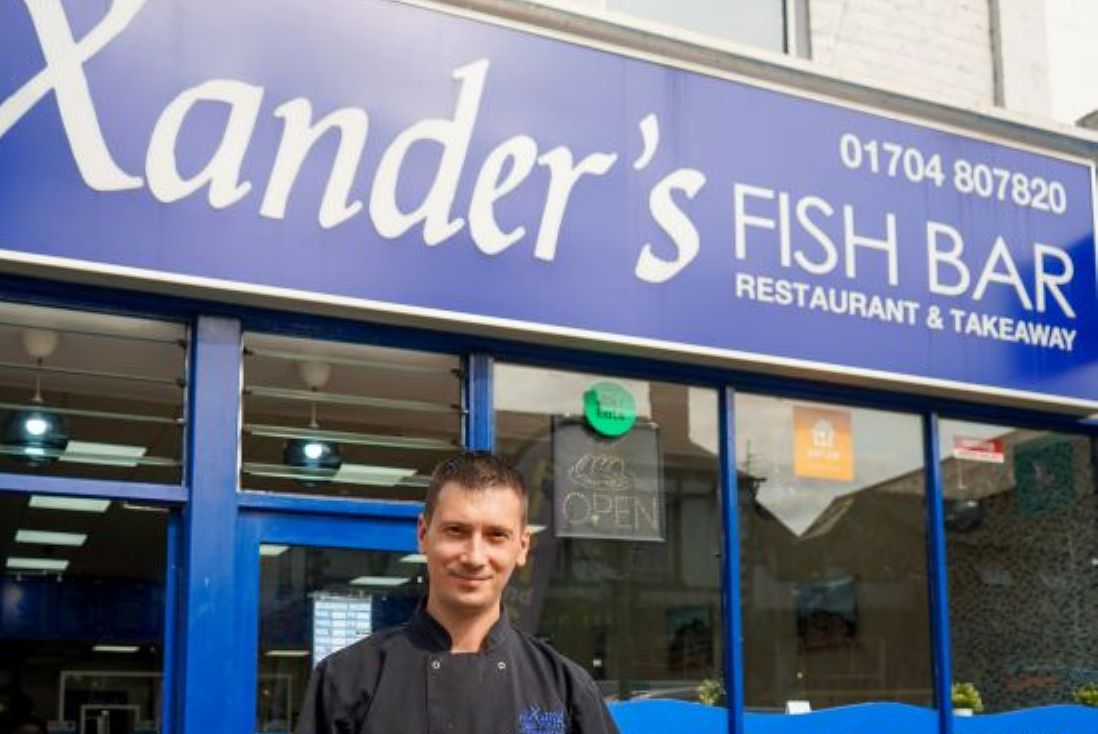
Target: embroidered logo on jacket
pixel 535 721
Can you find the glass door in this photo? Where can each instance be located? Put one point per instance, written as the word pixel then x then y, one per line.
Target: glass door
pixel 318 584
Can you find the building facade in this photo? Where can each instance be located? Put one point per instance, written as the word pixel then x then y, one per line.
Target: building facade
pixel 784 310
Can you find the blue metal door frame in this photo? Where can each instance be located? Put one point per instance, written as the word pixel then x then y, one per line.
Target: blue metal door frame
pixel 395 534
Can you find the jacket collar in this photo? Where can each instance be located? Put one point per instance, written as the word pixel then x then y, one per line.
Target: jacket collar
pixel 427 630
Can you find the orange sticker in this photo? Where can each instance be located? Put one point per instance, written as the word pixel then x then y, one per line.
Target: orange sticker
pixel 823 446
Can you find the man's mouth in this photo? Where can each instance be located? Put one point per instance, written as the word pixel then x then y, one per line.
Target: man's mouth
pixel 470 579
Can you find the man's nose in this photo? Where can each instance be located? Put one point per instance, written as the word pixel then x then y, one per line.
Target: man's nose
pixel 474 550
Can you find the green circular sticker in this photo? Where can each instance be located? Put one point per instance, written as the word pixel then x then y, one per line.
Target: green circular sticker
pixel 610 408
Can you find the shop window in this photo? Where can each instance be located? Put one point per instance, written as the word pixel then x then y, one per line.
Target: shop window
pixel 759 23
pixel 624 570
pixel 315 601
pixel 90 395
pixel 81 614
pixel 833 570
pixel 1021 519
pixel 326 418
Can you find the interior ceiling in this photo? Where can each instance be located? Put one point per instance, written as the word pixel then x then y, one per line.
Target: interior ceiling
pixel 103 343
pixel 122 543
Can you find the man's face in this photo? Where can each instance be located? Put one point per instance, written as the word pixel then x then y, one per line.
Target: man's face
pixel 473 542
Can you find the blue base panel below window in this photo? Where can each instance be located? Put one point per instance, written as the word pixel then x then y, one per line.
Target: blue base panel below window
pixel 650 717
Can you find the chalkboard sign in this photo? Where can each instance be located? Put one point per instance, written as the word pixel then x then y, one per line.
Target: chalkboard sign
pixel 607 487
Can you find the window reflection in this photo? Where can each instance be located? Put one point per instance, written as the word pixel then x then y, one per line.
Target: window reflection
pixel 833 557
pixel 624 572
pixel 1021 517
pixel 759 23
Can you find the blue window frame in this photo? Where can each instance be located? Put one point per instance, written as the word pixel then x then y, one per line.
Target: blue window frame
pixel 214 531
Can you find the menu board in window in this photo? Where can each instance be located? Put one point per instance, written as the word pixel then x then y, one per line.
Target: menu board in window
pixel 339 621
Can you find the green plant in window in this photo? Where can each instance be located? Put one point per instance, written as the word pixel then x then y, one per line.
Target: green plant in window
pixel 1087 694
pixel 711 692
pixel 967 696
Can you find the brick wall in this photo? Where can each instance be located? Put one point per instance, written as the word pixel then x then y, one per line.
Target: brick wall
pixel 937 49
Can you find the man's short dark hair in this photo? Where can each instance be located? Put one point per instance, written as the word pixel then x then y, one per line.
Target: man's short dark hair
pixel 474 471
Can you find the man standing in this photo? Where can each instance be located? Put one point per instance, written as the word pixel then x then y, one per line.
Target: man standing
pixel 458 666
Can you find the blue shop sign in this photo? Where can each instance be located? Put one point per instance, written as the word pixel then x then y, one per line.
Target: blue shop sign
pixel 403 160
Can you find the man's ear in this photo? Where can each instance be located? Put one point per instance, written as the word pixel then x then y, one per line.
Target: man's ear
pixel 421 533
pixel 524 547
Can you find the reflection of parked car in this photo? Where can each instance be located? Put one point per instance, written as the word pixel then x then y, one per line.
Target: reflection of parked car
pixel 668 690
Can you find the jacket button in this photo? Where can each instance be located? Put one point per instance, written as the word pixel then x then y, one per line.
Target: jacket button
pixel 501 665
pixel 436 664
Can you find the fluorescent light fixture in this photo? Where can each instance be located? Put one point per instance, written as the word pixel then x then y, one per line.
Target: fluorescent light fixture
pixel 48 537
pixel 378 581
pixel 377 476
pixel 143 508
pixel 287 653
pixel 535 529
pixel 37 564
pixel 74 504
pixel 414 558
pixel 272 551
pixel 104 454
pixel 115 648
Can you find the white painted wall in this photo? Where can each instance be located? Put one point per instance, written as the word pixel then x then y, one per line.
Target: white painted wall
pixel 1025 56
pixel 943 50
pixel 1072 28
pixel 937 49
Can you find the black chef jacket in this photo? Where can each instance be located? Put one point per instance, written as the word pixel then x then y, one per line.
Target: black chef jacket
pixel 406 681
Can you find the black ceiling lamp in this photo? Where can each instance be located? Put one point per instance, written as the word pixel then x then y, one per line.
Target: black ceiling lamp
pixel 37 435
pixel 320 458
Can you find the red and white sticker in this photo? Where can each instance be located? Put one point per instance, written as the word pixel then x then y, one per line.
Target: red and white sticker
pixel 987 450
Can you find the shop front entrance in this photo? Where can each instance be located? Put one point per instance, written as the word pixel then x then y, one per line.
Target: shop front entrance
pixel 311 586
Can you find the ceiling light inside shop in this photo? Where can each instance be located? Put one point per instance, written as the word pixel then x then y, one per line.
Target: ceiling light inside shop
pixel 103 454
pixel 535 529
pixel 144 508
pixel 116 648
pixel 414 558
pixel 272 551
pixel 73 504
pixel 287 653
pixel 49 537
pixel 377 476
pixel 36 434
pixel 322 458
pixel 37 564
pixel 379 581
